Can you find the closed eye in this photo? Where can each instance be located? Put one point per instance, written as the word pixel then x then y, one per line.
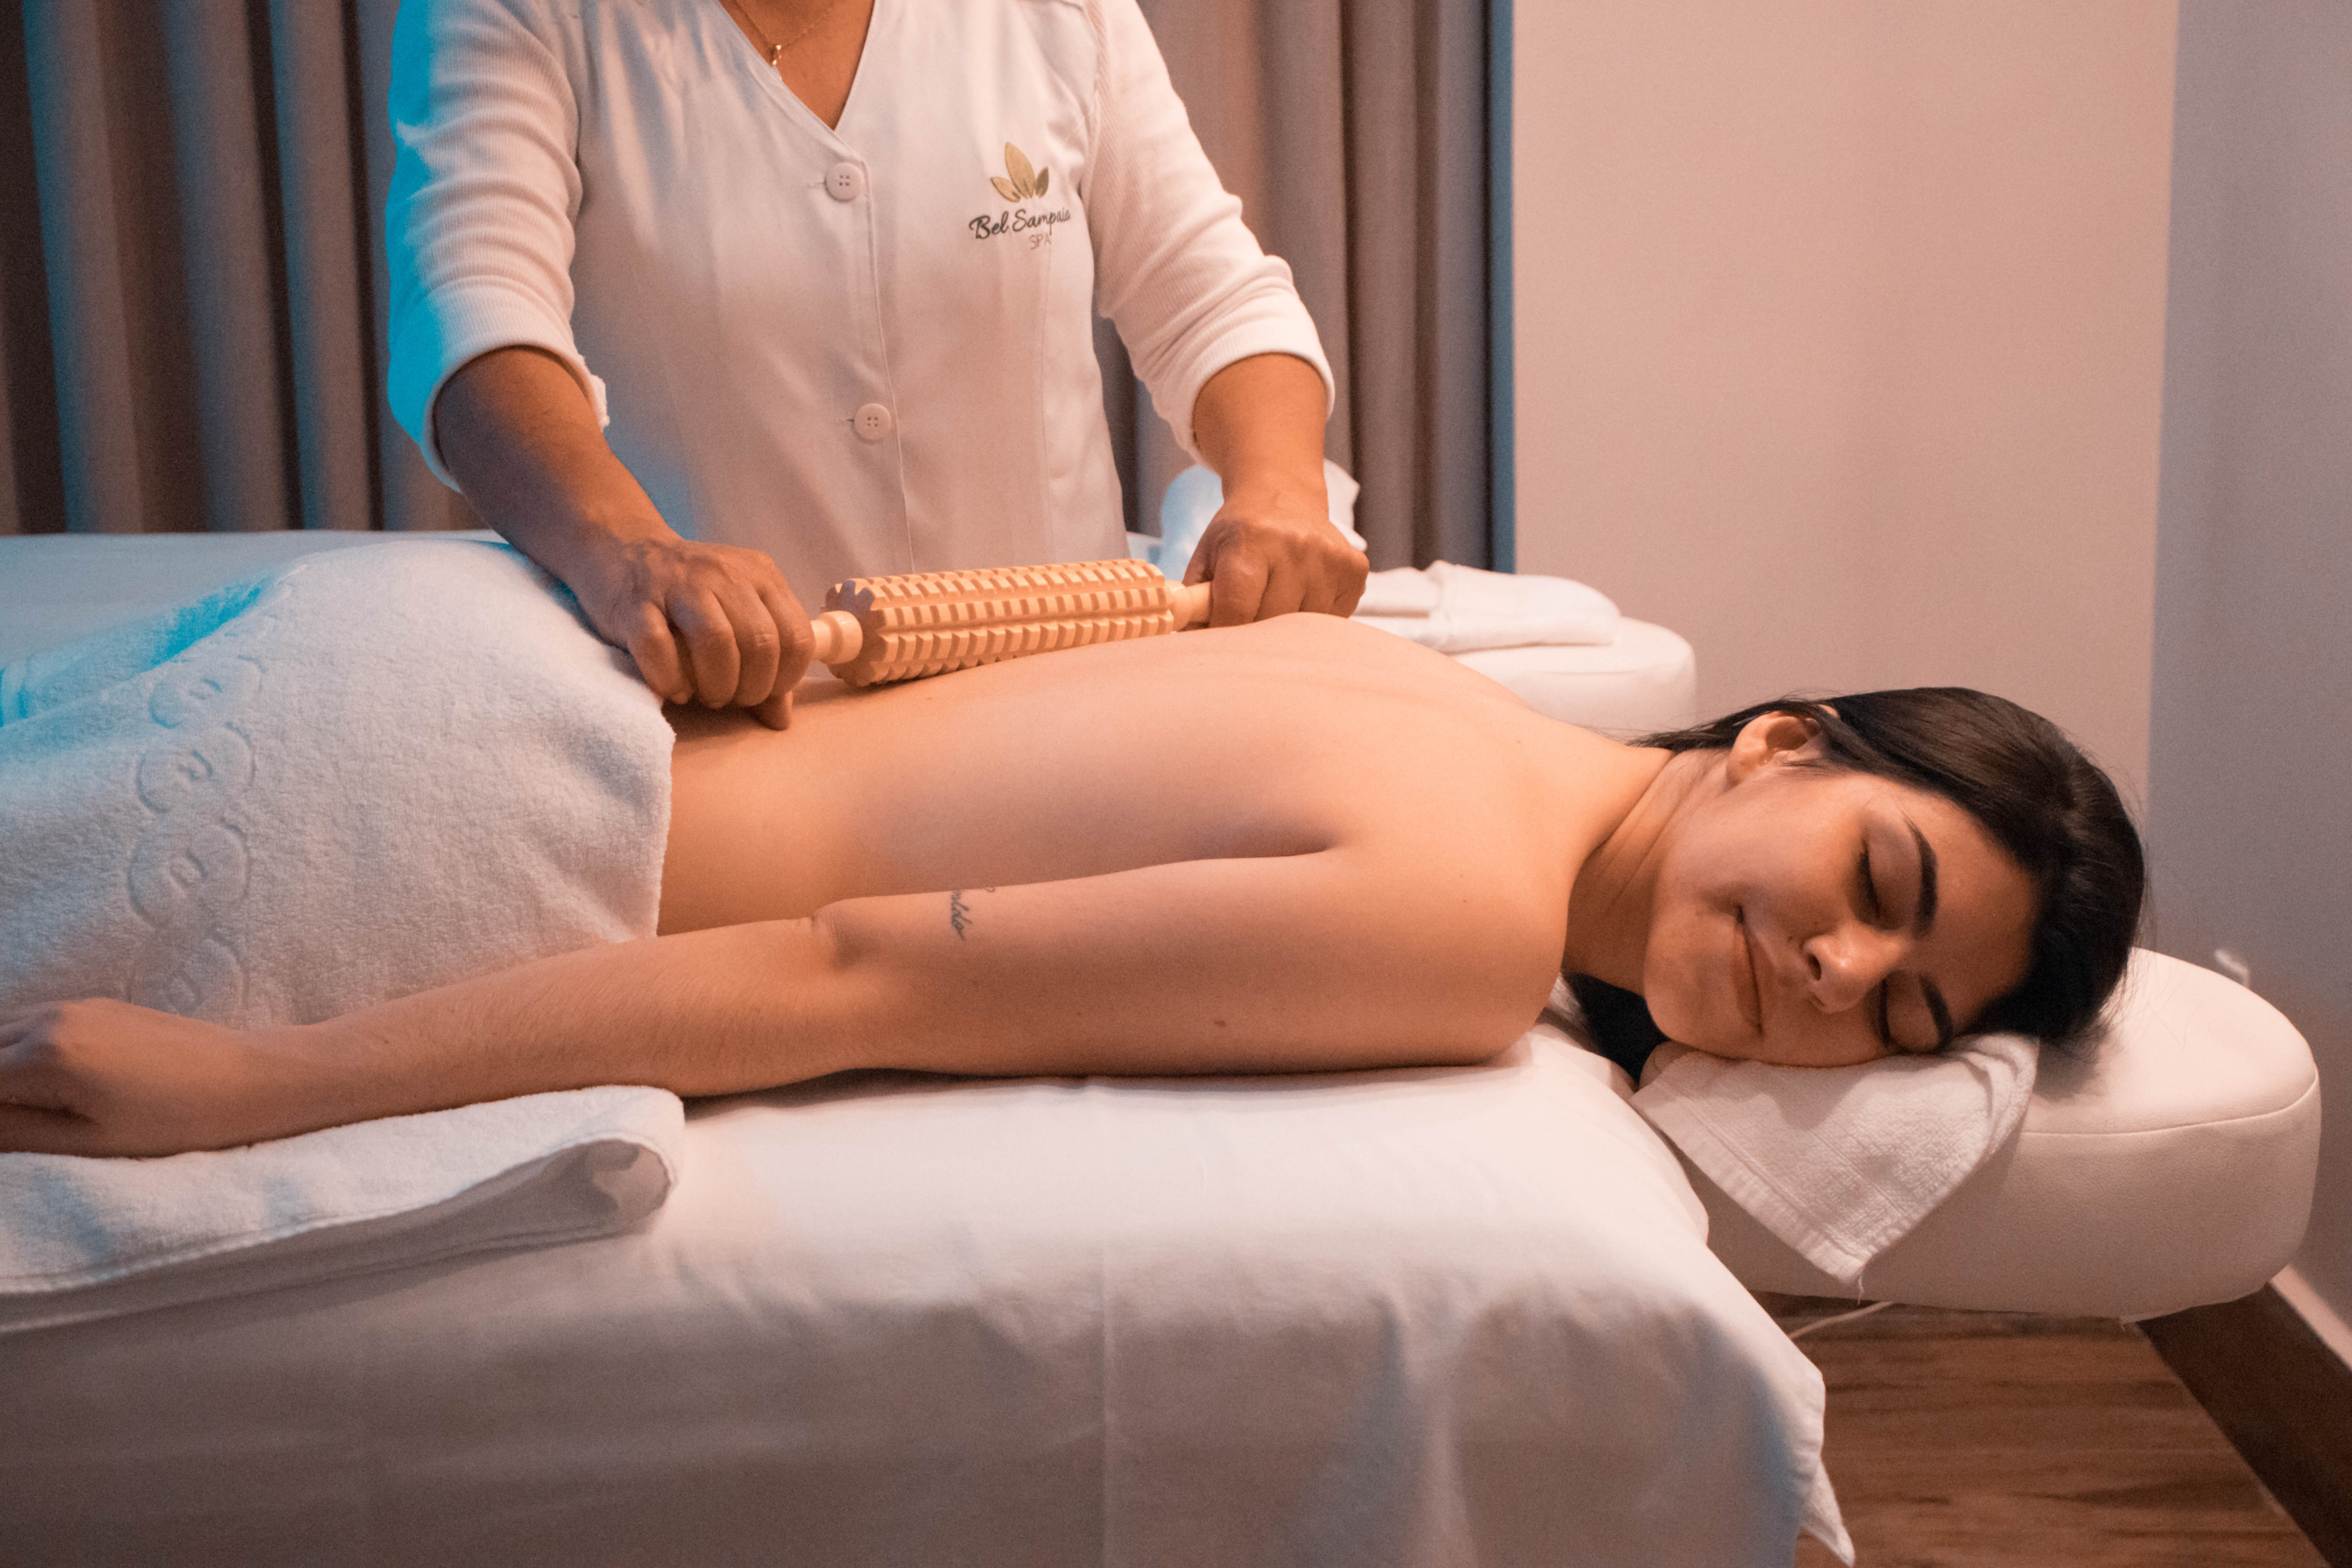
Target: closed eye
pixel 1871 905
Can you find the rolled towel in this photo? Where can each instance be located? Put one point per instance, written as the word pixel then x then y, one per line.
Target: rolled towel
pixel 1841 1162
pixel 363 774
pixel 97 1238
pixel 1456 609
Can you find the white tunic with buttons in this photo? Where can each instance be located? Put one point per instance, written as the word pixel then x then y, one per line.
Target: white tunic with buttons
pixel 863 349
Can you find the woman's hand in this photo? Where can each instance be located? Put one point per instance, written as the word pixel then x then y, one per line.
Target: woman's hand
pixel 1271 548
pixel 709 623
pixel 106 1077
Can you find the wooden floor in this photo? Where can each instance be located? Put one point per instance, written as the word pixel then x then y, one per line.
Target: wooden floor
pixel 1981 1440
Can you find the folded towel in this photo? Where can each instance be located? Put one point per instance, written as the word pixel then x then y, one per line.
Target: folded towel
pixel 97 1238
pixel 1456 609
pixel 360 776
pixel 1841 1162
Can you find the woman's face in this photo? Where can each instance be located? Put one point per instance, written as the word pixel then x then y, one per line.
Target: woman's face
pixel 1822 918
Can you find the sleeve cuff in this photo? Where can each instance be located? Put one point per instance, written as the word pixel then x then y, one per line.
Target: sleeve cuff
pixel 1243 340
pixel 459 325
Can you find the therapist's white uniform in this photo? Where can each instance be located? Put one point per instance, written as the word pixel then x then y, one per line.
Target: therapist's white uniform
pixel 866 349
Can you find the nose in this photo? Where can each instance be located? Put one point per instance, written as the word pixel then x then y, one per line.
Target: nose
pixel 1844 964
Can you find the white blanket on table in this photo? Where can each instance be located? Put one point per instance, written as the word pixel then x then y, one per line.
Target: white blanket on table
pixel 354 777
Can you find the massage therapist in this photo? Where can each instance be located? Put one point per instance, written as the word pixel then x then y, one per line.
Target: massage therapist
pixel 705 304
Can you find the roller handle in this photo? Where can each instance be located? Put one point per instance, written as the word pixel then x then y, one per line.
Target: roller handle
pixel 838 637
pixel 1190 604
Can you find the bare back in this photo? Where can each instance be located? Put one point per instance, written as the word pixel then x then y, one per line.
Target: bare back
pixel 1286 738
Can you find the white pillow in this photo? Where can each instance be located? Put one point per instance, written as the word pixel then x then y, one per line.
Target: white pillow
pixel 2169 1167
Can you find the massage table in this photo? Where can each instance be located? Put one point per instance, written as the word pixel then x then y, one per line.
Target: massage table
pixel 1414 1316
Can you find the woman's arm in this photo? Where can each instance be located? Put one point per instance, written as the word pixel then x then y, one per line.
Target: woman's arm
pixel 1289 963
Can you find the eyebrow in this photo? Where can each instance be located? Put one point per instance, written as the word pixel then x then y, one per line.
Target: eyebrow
pixel 1925 915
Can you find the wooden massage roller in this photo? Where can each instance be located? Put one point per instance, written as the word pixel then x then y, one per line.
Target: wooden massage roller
pixel 874 629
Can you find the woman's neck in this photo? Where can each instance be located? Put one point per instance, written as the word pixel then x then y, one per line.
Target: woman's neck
pixel 1609 906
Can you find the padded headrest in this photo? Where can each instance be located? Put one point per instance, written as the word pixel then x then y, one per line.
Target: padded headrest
pixel 2170 1166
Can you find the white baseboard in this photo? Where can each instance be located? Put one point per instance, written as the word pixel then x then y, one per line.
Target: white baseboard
pixel 2325 1321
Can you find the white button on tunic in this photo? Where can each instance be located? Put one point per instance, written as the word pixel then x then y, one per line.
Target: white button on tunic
pixel 627 185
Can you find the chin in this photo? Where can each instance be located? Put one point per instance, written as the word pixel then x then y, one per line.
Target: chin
pixel 1706 1018
pixel 1679 1006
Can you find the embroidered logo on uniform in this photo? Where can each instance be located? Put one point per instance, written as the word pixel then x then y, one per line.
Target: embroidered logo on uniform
pixel 1021 185
pixel 1026 184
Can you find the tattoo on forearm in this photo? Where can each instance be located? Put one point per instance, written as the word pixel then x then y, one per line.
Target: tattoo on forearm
pixel 959 912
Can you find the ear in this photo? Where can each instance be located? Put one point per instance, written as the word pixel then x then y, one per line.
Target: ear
pixel 1772 740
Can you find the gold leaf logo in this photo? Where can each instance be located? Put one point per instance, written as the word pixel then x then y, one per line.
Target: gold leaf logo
pixel 1025 183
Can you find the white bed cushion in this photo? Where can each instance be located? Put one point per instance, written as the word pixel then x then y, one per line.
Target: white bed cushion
pixel 1643 682
pixel 2172 1167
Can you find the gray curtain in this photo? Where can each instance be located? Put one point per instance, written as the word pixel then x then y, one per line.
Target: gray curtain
pixel 191 245
pixel 1355 133
pixel 192 297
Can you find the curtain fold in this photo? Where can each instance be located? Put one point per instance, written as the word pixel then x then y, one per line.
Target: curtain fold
pixel 192 290
pixel 322 186
pixel 1355 133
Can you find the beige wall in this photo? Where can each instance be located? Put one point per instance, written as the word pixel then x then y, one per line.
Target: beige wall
pixel 2249 798
pixel 1839 337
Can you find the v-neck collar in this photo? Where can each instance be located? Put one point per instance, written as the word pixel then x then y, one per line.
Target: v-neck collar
pixel 794 100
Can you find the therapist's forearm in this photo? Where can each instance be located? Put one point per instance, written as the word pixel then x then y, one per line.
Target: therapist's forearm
pixel 1258 423
pixel 520 439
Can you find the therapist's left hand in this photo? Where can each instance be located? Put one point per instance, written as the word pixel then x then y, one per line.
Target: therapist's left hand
pixel 1271 550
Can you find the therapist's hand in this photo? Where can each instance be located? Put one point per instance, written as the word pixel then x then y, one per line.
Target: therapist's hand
pixel 706 622
pixel 1271 548
pixel 714 623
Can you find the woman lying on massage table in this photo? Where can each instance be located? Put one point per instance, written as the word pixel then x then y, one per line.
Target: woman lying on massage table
pixel 1291 846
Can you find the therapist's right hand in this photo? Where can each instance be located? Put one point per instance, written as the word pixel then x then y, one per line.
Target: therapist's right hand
pixel 706 622
pixel 714 623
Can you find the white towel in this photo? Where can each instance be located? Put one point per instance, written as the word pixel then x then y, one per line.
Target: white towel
pixel 1456 609
pixel 363 774
pixel 1841 1162
pixel 97 1238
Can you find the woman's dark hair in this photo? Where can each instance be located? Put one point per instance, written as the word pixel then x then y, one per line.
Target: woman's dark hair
pixel 2039 797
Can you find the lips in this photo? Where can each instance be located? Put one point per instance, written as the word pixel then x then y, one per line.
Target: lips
pixel 1750 994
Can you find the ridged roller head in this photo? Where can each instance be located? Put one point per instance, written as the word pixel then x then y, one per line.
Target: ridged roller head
pixel 927 623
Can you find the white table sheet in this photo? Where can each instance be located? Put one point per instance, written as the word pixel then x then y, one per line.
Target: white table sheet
pixel 1408 1318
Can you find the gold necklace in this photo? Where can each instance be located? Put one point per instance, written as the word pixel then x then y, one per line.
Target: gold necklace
pixel 776 51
